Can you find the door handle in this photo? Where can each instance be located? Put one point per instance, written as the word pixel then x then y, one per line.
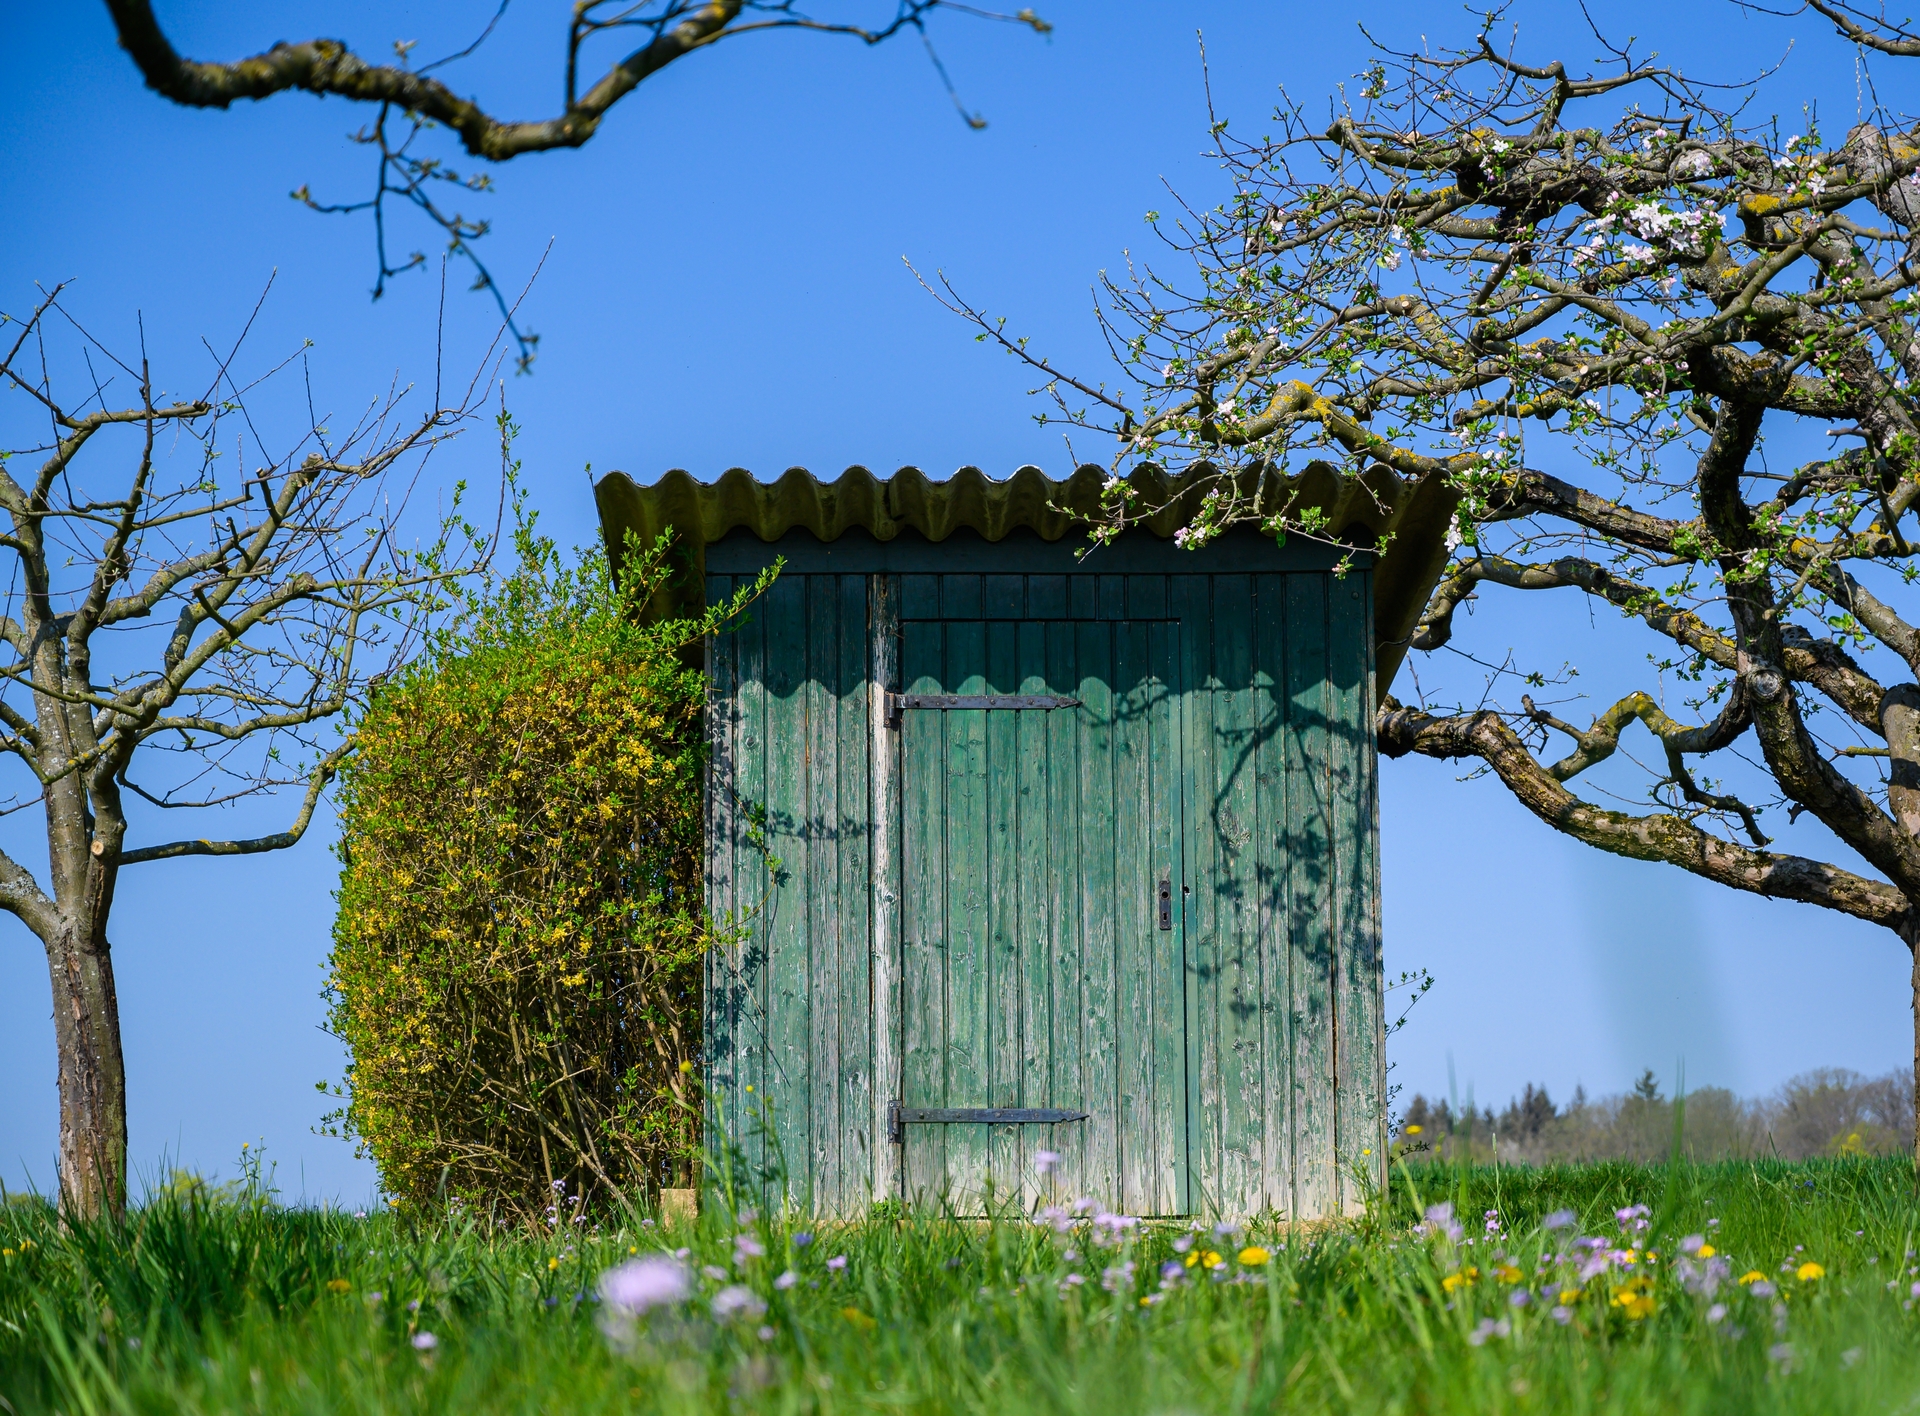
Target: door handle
pixel 1166 902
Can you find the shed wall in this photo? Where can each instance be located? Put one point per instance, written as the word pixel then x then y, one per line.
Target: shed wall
pixel 1282 968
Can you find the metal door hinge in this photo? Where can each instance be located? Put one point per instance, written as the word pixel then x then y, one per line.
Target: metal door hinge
pixel 900 1117
pixel 1166 902
pixel 990 702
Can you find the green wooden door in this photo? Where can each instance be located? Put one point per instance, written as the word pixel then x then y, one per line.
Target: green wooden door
pixel 1038 969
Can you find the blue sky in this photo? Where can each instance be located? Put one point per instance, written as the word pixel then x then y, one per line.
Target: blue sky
pixel 723 286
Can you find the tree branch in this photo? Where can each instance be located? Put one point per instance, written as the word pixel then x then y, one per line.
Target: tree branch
pixel 1666 838
pixel 327 66
pixel 280 840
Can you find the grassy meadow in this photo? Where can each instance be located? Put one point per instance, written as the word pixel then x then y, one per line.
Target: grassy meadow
pixel 1740 1287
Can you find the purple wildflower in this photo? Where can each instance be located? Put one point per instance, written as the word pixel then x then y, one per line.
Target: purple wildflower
pixel 644 1284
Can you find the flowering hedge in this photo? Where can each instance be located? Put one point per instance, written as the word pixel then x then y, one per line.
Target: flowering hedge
pixel 515 961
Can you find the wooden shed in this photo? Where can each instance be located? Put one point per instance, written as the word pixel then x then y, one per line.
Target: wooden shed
pixel 1033 852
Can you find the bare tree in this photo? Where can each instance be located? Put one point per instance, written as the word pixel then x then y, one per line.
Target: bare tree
pixel 184 627
pixel 410 101
pixel 1581 305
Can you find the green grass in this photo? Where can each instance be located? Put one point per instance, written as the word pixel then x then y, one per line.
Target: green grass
pixel 215 1304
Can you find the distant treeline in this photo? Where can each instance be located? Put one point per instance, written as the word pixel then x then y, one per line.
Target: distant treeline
pixel 1826 1112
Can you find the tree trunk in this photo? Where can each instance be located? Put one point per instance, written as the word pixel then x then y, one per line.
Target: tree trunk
pixel 93 1077
pixel 1916 1063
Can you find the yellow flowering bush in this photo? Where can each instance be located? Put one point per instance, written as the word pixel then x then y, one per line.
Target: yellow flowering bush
pixel 516 962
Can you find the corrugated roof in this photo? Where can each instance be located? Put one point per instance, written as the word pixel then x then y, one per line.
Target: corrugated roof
pixel 1358 510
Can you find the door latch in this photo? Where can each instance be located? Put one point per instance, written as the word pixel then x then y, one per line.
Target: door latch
pixel 1166 902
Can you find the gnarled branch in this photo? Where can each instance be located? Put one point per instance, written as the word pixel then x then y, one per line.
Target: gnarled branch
pixel 1670 839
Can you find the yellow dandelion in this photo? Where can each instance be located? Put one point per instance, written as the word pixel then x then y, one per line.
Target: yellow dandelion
pixel 1707 1251
pixel 1253 1256
pixel 1809 1271
pixel 1572 1295
pixel 1752 1276
pixel 338 1285
pixel 1640 1305
pixel 1413 1130
pixel 1192 1259
pixel 1507 1273
pixel 552 1264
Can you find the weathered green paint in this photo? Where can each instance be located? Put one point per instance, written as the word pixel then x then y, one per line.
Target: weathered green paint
pixel 964 912
pixel 1083 805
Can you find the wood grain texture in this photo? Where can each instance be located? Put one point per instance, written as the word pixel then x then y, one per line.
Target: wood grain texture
pixel 1238 711
pixel 785 1101
pixel 1169 1139
pixel 1310 894
pixel 851 963
pixel 923 997
pixel 966 959
pixel 1274 873
pixel 820 1183
pixel 718 1049
pixel 883 651
pixel 1033 869
pixel 1134 924
pixel 1359 1040
pixel 754 895
pixel 1191 604
pixel 1060 843
pixel 1003 823
pixel 1099 1176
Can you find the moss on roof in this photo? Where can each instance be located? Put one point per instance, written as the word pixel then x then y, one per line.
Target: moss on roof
pixel 1414 516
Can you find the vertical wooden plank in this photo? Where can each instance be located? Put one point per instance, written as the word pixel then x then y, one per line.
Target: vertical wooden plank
pixel 755 900
pixel 1004 1146
pixel 1310 937
pixel 1082 596
pixel 1033 921
pixel 1067 1085
pixel 787 1097
pixel 919 597
pixel 1046 597
pixel 1005 596
pixel 1167 967
pixel 820 693
pixel 1110 597
pixel 960 598
pixel 1099 982
pixel 1135 926
pixel 855 1137
pixel 1146 597
pixel 923 908
pixel 1191 603
pixel 718 1064
pixel 968 952
pixel 1359 1067
pixel 883 784
pixel 1235 808
pixel 1272 868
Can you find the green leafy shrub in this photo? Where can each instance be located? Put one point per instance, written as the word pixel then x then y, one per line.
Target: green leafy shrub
pixel 516 953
